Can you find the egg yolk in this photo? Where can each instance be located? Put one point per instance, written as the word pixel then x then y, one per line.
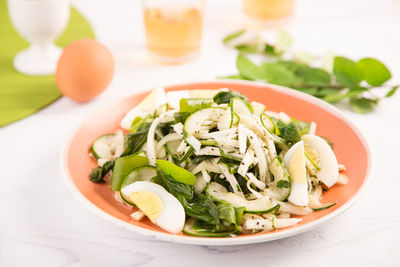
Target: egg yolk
pixel 148 202
pixel 297 168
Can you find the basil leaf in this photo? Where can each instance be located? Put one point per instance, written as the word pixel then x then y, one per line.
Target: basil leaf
pixel 199 207
pixel 203 208
pixel 289 132
pixel 225 97
pixel 362 105
pixel 248 69
pixel 346 72
pixel 248 48
pixel 303 126
pixel 392 91
pixel 181 116
pixel 281 74
pixel 307 75
pixel 98 173
pixel 270 50
pixel 134 141
pixel 374 71
pixel 190 105
pixel 233 36
pixel 325 91
pixel 313 76
pixel 236 77
pixel 227 213
pixel 332 98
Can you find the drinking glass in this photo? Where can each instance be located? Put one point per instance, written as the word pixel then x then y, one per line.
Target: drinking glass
pixel 40 22
pixel 173 29
pixel 269 12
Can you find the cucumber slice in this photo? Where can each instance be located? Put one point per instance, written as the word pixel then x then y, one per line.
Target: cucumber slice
pixel 240 107
pixel 194 121
pixel 191 229
pixel 172 149
pixel 324 207
pixel 101 147
pixel 257 206
pixel 269 124
pixel 279 188
pixel 123 166
pixel 144 173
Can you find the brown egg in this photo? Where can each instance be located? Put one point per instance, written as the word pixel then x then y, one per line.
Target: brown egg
pixel 84 70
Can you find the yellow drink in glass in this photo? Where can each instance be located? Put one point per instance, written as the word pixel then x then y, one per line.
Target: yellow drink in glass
pixel 173 33
pixel 269 10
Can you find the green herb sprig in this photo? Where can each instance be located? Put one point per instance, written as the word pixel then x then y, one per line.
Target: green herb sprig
pixel 339 78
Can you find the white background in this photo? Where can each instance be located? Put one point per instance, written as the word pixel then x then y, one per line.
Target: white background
pixel 42 224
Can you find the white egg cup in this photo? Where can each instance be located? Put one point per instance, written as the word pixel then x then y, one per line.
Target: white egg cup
pixel 40 22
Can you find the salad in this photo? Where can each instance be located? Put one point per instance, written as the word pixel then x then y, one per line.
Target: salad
pixel 210 163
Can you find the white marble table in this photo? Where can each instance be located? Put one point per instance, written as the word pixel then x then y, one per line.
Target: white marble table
pixel 42 224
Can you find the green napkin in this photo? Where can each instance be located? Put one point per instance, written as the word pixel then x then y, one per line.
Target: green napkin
pixel 22 95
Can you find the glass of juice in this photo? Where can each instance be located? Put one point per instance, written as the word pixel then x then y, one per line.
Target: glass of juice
pixel 269 12
pixel 173 29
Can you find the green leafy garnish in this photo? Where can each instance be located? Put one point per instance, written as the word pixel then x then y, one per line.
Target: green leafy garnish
pixel 374 72
pixel 338 79
pixel 210 215
pixel 190 105
pixel 232 36
pixel 346 72
pixel 135 140
pixel 392 91
pixel 98 173
pixel 225 97
pixel 290 132
pixel 362 105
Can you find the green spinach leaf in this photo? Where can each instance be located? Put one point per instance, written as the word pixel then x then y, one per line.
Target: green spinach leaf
pixel 373 71
pixel 134 141
pixel 233 36
pixel 362 105
pixel 98 173
pixel 346 72
pixel 225 97
pixel 392 91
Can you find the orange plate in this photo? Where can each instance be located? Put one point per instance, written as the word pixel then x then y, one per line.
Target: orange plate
pixel 349 146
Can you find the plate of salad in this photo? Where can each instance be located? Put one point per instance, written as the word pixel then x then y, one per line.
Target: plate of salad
pixel 217 163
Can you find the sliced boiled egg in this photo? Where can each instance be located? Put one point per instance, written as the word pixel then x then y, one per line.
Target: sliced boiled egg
pixel 162 208
pixel 322 155
pixel 295 161
pixel 155 99
pixel 174 97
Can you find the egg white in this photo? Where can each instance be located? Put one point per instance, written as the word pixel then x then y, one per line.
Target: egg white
pixel 172 216
pixel 329 170
pixel 297 171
